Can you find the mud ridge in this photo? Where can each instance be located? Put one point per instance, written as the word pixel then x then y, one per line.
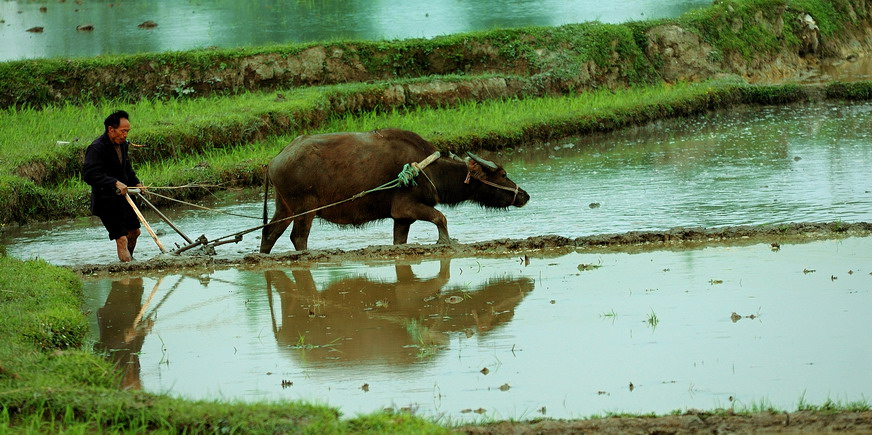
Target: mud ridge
pixel 544 245
pixel 692 423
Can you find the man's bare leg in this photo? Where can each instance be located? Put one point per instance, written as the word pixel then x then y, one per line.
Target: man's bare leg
pixel 123 249
pixel 132 235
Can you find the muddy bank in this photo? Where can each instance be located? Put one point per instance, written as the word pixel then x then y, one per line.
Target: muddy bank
pixel 634 241
pixel 691 423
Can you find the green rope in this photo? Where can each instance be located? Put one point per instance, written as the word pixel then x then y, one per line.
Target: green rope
pixel 407 176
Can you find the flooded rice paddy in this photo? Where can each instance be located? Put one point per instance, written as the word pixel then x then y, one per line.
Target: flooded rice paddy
pixel 566 334
pixel 570 335
pixel 751 166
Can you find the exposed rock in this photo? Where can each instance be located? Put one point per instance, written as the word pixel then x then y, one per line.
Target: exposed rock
pixel 684 56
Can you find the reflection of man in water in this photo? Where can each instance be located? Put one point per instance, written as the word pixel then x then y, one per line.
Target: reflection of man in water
pixel 120 336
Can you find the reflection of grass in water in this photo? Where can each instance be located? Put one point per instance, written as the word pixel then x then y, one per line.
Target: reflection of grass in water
pixel 419 334
pixel 610 314
pixel 163 350
pixel 653 320
pixel 301 344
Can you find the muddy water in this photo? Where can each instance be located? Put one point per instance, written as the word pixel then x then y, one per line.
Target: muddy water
pixel 748 166
pixel 562 336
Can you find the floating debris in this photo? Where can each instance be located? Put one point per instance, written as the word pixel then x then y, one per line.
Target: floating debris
pixel 453 299
pixel 716 281
pixel 594 205
pixel 505 387
pixel 736 317
pixel 485 371
pixel 775 246
pixel 477 411
pixel 365 388
pixel 632 387
pixel 147 25
pixel 85 27
pixel 807 271
pixel 582 267
pixel 37 29
pixel 286 384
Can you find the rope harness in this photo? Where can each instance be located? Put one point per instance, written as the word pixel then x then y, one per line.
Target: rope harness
pixel 515 190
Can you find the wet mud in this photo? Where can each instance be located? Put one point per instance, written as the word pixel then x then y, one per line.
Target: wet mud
pixel 692 423
pixel 633 241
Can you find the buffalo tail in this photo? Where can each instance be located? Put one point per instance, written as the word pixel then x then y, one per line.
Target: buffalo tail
pixel 265 191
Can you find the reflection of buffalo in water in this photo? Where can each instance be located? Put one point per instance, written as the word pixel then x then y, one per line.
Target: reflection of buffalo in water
pixel 359 319
pixel 322 172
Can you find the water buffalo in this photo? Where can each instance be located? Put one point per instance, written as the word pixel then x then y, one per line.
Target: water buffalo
pixel 318 170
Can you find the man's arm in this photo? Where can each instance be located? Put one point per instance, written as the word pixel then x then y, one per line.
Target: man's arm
pixel 94 172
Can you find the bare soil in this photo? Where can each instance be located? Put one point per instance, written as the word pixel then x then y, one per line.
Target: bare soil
pixel 693 423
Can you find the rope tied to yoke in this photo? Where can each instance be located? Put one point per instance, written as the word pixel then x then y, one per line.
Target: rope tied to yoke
pixel 407 176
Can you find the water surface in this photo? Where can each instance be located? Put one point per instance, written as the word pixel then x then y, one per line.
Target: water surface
pixel 564 336
pixel 190 24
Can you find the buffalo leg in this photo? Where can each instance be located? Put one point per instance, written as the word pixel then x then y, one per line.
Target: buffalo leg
pixel 401 230
pixel 272 232
pixel 300 231
pixel 417 211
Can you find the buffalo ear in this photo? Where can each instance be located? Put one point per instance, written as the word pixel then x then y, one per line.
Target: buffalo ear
pixel 472 165
pixel 484 162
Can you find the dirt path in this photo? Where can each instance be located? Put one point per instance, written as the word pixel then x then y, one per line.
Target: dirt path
pixel 634 241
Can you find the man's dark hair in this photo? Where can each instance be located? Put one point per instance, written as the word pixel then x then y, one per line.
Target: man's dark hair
pixel 114 120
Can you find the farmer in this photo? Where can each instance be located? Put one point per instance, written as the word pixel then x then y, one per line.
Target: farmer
pixel 109 172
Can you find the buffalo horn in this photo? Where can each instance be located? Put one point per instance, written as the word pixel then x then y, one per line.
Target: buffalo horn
pixel 486 163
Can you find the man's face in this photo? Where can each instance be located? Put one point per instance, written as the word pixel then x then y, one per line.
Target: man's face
pixel 119 135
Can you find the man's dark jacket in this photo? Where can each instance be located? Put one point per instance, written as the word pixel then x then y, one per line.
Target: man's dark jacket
pixel 102 169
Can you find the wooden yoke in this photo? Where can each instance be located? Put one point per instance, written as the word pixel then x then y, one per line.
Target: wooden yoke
pixel 430 159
